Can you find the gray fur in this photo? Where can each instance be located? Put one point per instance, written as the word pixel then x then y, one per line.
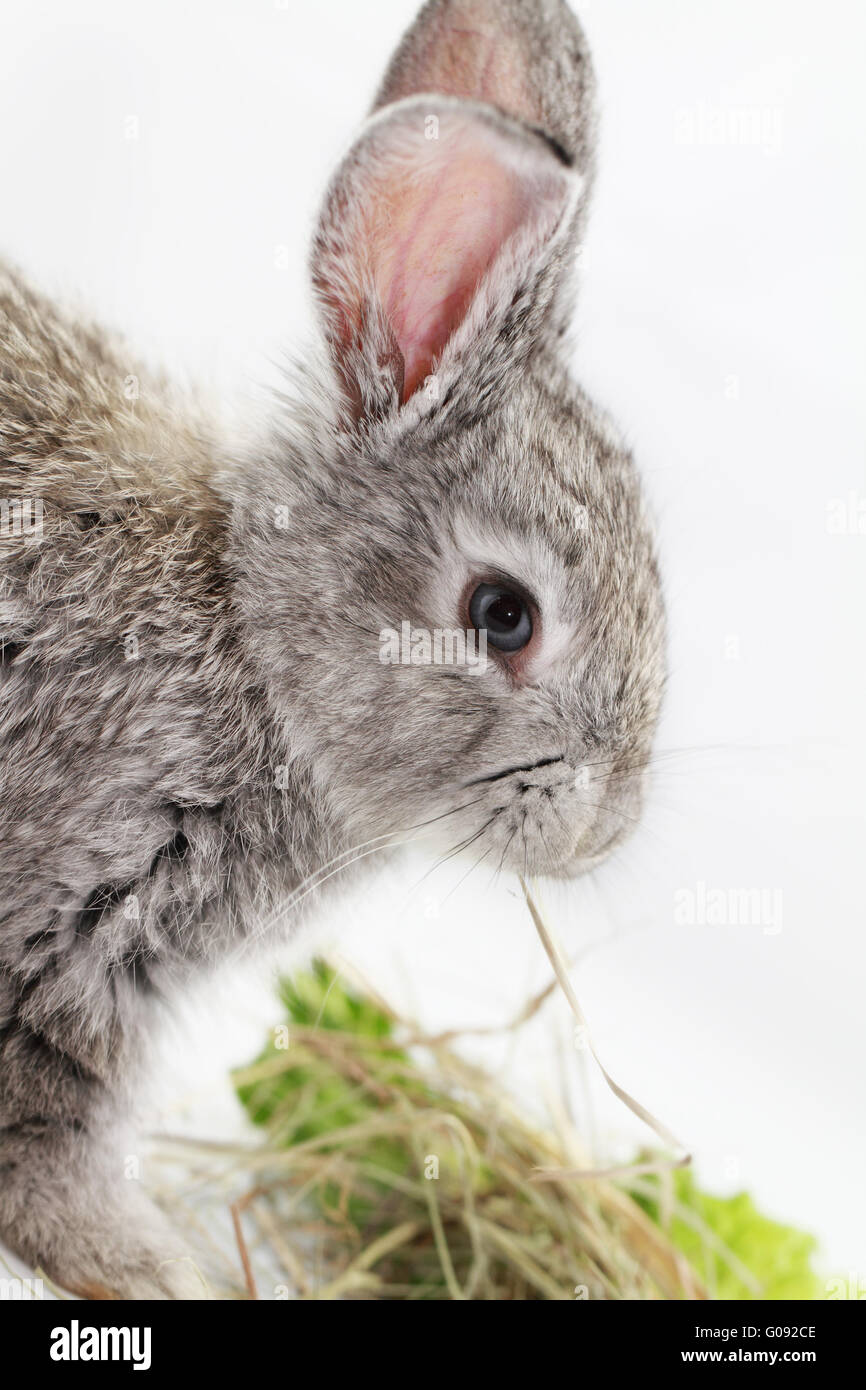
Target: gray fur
pixel 167 803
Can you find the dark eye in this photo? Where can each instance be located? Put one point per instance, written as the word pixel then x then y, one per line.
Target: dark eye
pixel 504 614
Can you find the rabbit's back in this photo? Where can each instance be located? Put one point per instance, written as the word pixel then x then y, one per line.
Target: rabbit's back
pixel 83 426
pixel 116 640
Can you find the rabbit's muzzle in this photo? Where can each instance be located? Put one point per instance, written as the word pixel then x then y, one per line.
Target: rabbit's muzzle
pixel 558 819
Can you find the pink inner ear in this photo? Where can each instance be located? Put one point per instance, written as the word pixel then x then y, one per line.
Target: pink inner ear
pixel 425 238
pixel 435 236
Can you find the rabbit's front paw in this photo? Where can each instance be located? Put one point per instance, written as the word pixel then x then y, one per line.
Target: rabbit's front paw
pixel 147 1277
pixel 113 1244
pixel 141 1259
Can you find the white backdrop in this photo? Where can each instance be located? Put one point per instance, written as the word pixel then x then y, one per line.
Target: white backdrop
pixel 162 162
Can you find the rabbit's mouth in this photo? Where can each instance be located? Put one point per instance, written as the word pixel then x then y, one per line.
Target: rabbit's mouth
pixel 551 818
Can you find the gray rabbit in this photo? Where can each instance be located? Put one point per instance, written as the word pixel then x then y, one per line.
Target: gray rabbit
pixel 200 730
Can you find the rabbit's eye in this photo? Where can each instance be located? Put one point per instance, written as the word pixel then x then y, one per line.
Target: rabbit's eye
pixel 503 614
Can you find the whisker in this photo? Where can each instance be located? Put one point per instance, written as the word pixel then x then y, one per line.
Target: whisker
pixel 464 844
pixel 471 870
pixel 298 897
pixel 611 810
pixel 320 876
pixel 503 854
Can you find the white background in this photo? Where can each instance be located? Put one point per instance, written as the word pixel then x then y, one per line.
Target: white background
pixel 161 162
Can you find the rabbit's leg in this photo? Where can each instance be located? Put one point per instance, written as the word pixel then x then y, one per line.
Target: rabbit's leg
pixel 70 1203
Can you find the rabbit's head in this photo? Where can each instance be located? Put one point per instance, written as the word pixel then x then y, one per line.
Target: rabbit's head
pixel 449 573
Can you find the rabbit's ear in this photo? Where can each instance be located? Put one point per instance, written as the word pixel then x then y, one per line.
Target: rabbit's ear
pixel 433 246
pixel 446 233
pixel 529 58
